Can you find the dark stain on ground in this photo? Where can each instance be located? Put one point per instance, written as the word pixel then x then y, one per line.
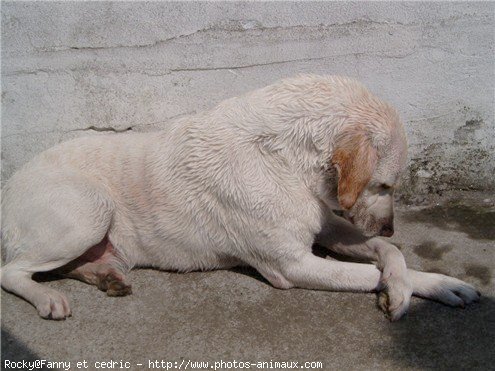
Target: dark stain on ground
pixel 477 223
pixel 480 272
pixel 430 251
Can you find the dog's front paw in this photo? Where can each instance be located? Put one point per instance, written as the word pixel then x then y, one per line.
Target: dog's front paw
pixel 445 289
pixel 52 304
pixel 395 297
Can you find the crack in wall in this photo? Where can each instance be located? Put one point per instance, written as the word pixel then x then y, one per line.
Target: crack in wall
pixel 247 25
pixel 104 129
pixel 90 128
pixel 110 129
pixel 215 68
pixel 234 26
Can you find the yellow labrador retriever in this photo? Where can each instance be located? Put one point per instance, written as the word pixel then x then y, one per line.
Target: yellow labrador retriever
pixel 251 182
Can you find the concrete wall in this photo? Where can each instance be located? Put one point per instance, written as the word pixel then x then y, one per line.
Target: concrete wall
pixel 82 68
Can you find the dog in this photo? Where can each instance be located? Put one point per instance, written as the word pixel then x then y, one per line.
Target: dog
pixel 255 181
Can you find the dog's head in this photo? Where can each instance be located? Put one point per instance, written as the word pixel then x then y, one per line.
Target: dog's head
pixel 369 155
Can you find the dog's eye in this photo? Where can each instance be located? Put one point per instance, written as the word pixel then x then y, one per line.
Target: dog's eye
pixel 385 186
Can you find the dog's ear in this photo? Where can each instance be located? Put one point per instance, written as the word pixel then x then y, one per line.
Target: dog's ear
pixel 355 160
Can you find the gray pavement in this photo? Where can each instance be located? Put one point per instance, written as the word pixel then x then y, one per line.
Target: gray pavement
pixel 236 315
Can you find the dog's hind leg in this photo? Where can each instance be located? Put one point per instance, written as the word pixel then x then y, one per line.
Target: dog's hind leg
pixel 44 233
pixel 100 266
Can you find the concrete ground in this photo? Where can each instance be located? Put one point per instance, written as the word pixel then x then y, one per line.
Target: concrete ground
pixel 236 315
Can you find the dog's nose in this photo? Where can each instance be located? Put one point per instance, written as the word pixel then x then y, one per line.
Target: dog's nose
pixel 387 230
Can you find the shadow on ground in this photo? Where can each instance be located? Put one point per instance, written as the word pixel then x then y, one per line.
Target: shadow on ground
pixel 434 336
pixel 249 320
pixel 15 351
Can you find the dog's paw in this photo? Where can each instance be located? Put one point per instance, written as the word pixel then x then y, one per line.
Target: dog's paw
pixel 447 290
pixel 395 297
pixel 118 288
pixel 53 305
pixel 114 285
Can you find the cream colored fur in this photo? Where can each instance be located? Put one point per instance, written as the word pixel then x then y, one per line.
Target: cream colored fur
pixel 253 181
